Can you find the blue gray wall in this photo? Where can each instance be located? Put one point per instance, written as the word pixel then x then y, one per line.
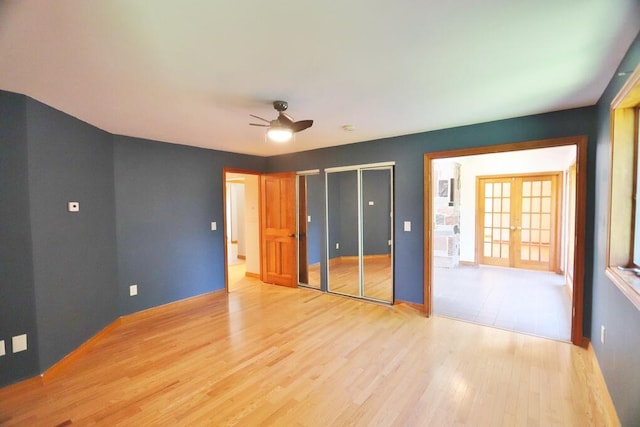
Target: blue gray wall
pixel 407 152
pixel 343 212
pixel 619 357
pixel 73 253
pixel 167 195
pixel 156 204
pixel 54 280
pixel 376 222
pixel 17 294
pixel 65 276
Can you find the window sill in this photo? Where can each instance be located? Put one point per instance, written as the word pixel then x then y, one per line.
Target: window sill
pixel 627 282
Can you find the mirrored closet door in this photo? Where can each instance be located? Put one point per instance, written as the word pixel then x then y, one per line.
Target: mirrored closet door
pixel 360 231
pixel 309 186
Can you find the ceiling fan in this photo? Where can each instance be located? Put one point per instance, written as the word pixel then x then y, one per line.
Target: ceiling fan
pixel 282 128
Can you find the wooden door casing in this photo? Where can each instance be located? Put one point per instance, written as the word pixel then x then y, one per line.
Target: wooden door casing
pixel 580 143
pixel 278 229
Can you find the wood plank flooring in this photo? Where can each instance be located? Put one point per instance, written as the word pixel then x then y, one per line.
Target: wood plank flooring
pixel 378 283
pixel 269 355
pixel 313 271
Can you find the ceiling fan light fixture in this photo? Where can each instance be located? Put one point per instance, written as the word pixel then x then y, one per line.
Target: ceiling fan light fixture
pixel 281 129
pixel 279 134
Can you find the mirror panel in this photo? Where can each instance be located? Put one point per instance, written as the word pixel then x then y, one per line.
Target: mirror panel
pixel 309 229
pixel 342 230
pixel 377 234
pixel 360 231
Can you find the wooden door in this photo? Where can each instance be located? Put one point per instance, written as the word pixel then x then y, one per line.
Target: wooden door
pixel 278 229
pixel 571 225
pixel 536 230
pixel 494 220
pixel 517 221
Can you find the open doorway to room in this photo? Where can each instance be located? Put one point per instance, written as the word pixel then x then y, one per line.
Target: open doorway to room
pixel 503 245
pixel 242 235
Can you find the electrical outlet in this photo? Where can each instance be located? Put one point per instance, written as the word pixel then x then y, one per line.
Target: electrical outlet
pixel 407 226
pixel 19 343
pixel 214 226
pixel 2 349
pixel 133 290
pixel 73 206
pixel 603 333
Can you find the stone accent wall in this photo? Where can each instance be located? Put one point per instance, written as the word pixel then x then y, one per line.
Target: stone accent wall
pixel 446 209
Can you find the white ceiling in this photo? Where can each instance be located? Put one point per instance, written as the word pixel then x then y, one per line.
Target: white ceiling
pixel 191 72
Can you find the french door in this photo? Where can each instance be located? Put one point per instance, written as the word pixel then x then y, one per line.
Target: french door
pixel 517 221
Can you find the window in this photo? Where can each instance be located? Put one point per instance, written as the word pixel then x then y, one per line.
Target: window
pixel 624 215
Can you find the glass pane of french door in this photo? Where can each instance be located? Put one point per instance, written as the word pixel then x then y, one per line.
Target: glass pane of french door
pixel 537 224
pixel 495 201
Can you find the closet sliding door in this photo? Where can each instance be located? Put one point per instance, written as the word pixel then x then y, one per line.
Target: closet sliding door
pixel 342 229
pixel 360 232
pixel 309 228
pixel 377 233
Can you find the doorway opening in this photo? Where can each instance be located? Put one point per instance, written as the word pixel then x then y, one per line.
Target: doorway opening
pixel 241 227
pixel 494 253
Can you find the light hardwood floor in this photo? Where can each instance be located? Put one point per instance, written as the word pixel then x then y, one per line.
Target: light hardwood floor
pixel 269 355
pixel 344 277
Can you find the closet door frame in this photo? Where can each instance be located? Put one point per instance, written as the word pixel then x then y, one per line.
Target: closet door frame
pixel 358 169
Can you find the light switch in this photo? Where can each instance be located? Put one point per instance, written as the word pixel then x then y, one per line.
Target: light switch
pixel 73 206
pixel 407 226
pixel 214 226
pixel 337 245
pixel 371 203
pixel 19 343
pixel 2 349
pixel 133 290
pixel 309 218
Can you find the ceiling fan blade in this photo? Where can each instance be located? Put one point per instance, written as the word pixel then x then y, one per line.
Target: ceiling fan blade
pixel 301 125
pixel 258 124
pixel 285 119
pixel 260 118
